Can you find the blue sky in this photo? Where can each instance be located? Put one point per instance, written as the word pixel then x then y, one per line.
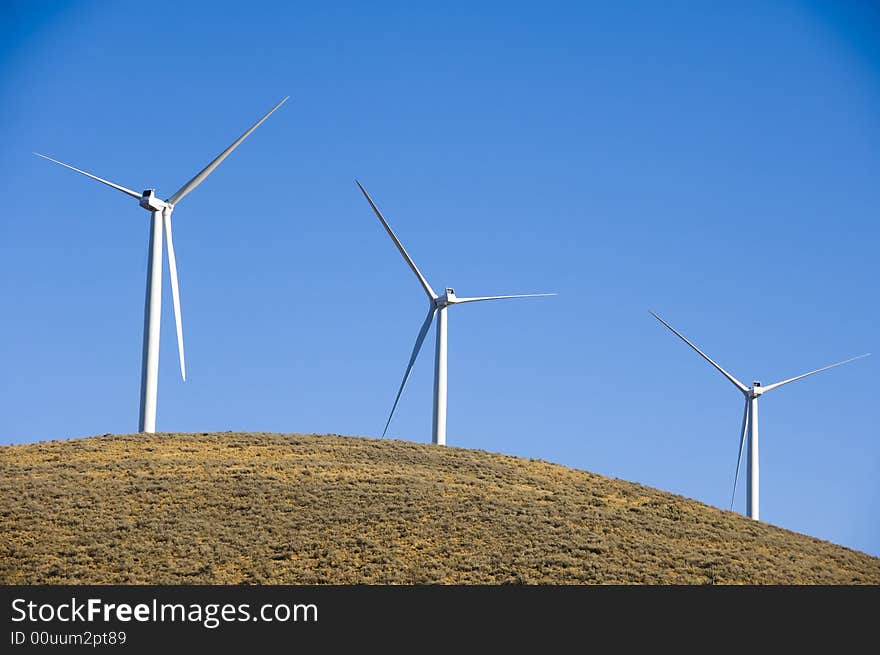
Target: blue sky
pixel 715 163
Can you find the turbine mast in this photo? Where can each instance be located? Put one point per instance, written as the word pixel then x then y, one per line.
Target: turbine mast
pixel 752 500
pixel 152 322
pixel 440 359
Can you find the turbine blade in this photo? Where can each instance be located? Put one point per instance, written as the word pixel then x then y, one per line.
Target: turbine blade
pixel 742 441
pixel 739 385
pixel 521 295
pixel 133 194
pixel 207 170
pixel 412 360
pixel 770 387
pixel 412 264
pixel 175 292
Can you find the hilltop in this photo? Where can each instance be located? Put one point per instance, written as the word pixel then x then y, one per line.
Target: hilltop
pixel 303 509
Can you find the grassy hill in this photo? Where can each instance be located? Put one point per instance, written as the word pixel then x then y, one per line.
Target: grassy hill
pixel 299 509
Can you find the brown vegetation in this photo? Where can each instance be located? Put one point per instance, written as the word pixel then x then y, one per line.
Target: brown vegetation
pixel 301 509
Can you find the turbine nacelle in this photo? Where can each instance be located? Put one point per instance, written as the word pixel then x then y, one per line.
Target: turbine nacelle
pixel 151 202
pixel 448 298
pixel 756 389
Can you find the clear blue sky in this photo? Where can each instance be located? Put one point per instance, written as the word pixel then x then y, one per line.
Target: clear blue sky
pixel 717 163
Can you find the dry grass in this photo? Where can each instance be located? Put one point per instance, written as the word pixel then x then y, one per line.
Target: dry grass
pixel 301 509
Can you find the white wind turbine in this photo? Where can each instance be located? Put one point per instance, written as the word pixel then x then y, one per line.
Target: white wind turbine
pixel 437 305
pixel 750 420
pixel 161 211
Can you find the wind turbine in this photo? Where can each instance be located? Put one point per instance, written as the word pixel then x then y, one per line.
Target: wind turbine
pixel 160 211
pixel 750 419
pixel 437 306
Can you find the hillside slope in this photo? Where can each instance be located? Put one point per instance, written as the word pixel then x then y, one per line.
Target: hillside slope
pixel 298 509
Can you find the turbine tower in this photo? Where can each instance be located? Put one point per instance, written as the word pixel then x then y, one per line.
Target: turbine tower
pixel 160 212
pixel 437 306
pixel 750 420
